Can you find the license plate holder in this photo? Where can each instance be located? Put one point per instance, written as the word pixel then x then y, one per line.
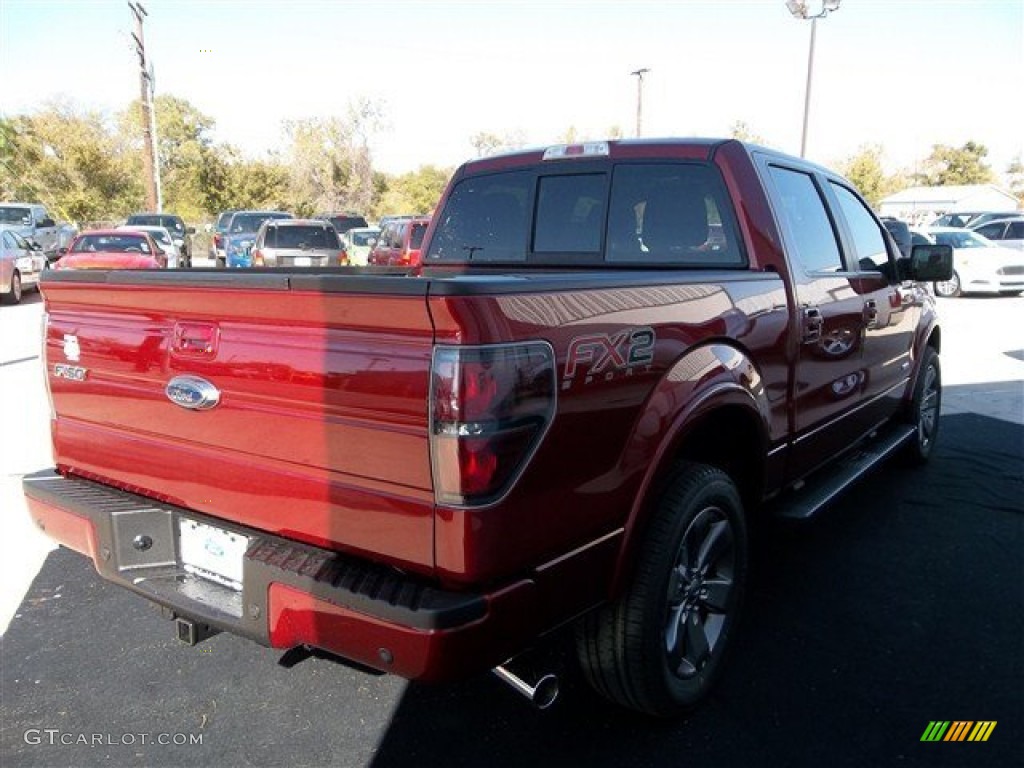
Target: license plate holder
pixel 212 553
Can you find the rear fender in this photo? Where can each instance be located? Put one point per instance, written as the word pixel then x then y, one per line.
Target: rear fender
pixel 715 378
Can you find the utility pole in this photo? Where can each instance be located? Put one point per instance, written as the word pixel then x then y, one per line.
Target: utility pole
pixel 145 95
pixel 639 74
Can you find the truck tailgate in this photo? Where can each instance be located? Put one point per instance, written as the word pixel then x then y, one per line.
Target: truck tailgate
pixel 320 430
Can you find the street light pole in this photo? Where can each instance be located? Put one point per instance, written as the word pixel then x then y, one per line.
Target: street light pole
pixel 639 74
pixel 800 10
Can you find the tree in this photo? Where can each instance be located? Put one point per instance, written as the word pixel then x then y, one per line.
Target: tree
pixel 328 161
pixel 950 165
pixel 866 172
pixel 71 161
pixel 741 131
pixel 184 148
pixel 414 192
pixel 1015 178
pixel 486 143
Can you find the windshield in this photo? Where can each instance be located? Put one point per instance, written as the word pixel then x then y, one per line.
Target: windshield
pixel 170 222
pixel 961 239
pixel 363 238
pixel 251 222
pixel 15 216
pixel 110 244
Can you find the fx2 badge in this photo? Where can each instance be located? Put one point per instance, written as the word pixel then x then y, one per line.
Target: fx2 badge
pixel 604 356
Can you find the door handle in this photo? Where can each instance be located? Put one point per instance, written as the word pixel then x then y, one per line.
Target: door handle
pixel 870 312
pixel 813 323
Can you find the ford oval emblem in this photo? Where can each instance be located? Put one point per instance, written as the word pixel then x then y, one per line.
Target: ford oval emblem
pixel 192 392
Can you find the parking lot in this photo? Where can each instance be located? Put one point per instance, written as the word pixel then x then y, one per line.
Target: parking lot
pixel 902 604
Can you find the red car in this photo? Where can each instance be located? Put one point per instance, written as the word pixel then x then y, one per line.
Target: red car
pixel 399 243
pixel 113 249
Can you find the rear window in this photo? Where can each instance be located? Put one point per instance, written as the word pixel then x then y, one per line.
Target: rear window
pixel 639 214
pixel 15 215
pixel 485 219
pixel 301 237
pixel 170 222
pixel 416 238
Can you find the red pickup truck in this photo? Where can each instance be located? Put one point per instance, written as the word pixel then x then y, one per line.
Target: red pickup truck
pixel 613 357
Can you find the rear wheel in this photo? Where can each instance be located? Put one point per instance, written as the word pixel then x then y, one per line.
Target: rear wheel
pixel 659 648
pixel 13 296
pixel 949 288
pixel 923 412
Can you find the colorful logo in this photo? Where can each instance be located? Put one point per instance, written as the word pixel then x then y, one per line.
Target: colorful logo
pixel 958 730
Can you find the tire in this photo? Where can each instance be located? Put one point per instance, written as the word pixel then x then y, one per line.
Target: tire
pixel 13 296
pixel 949 289
pixel 923 411
pixel 659 647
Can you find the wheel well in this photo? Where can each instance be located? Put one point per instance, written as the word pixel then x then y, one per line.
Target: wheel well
pixel 935 340
pixel 729 438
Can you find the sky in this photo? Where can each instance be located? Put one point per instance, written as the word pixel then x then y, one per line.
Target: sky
pixel 904 74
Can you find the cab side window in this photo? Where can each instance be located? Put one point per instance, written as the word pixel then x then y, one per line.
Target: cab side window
pixel 868 242
pixel 813 240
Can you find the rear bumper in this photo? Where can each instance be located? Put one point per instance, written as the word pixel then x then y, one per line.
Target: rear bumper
pixel 291 594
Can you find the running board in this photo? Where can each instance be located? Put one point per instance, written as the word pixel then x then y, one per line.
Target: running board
pixel 807 499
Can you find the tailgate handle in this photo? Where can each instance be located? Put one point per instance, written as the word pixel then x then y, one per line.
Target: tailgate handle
pixel 195 339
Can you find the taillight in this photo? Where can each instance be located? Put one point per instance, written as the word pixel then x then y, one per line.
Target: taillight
pixel 342 258
pixel 257 258
pixel 490 407
pixel 216 240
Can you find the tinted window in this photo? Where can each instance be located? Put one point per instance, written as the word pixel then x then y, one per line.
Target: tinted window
pixel 570 214
pixel 813 241
pixel 671 214
pixel 15 215
pixel 224 219
pixel 250 222
pixel 111 243
pixel 485 219
pixel 303 237
pixel 1016 231
pixel 867 235
pixel 416 238
pixel 991 231
pixel 345 223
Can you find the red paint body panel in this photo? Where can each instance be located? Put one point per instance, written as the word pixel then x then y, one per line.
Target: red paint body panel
pixel 315 408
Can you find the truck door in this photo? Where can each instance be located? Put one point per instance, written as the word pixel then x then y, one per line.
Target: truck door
pixel 829 372
pixel 891 308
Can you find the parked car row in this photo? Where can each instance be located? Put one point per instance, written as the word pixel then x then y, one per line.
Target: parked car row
pixel 979 265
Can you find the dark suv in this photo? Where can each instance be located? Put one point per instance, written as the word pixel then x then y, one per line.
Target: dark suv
pixel 174 224
pixel 343 222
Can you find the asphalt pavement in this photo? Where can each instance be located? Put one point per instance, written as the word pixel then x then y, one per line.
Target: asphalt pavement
pixel 902 604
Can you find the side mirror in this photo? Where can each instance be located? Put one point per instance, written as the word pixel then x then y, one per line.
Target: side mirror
pixel 35 246
pixel 931 263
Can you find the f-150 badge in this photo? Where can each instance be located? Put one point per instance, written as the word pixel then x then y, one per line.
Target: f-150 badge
pixel 192 392
pixel 606 355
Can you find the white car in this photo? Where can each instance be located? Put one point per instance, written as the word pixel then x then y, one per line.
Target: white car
pixel 163 239
pixel 21 264
pixel 979 265
pixel 359 241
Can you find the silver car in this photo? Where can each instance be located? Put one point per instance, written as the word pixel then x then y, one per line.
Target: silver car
pixel 1007 232
pixel 297 243
pixel 21 264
